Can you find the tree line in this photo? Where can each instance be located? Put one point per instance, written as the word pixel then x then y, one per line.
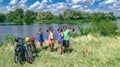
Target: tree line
pixel 19 16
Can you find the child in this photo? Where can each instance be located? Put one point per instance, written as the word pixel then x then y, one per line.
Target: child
pixel 66 38
pixel 40 39
pixel 50 39
pixel 60 40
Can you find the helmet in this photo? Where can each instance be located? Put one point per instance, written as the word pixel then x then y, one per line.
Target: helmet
pixel 32 38
pixel 27 39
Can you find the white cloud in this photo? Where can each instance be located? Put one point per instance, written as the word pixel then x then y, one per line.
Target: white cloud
pixel 77 7
pixel 85 6
pixel 47 1
pixel 111 4
pixel 44 0
pixel 76 1
pixel 115 6
pixel 82 1
pixel 13 2
pixel 110 1
pixel 35 5
pixel 57 8
pixel 1 0
pixel 106 2
pixel 10 8
pixel 22 1
pixel 23 6
pixel 50 1
pixel 88 10
pixel 43 5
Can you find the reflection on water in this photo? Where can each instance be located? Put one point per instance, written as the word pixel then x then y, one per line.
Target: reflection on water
pixel 31 30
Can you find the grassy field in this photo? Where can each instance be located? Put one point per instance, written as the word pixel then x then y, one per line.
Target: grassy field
pixel 86 51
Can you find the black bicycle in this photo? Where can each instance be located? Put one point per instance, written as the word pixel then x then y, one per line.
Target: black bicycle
pixel 19 51
pixel 28 53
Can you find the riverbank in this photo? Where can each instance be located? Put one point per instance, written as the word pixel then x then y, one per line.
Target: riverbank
pixel 100 51
pixel 63 21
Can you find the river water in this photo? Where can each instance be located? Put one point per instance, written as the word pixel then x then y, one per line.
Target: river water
pixel 31 30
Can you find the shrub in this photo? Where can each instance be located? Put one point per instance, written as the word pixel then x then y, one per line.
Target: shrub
pixel 74 35
pixel 85 31
pixel 18 21
pixel 8 40
pixel 28 20
pixel 107 28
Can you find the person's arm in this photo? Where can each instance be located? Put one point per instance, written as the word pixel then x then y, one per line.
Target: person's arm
pixel 38 33
pixel 72 30
pixel 62 34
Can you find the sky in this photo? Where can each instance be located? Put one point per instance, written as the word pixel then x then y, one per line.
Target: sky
pixel 58 6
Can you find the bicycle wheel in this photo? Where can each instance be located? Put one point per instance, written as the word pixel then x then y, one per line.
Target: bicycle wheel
pixel 20 57
pixel 15 58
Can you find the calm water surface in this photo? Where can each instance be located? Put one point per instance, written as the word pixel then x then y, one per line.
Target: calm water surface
pixel 31 30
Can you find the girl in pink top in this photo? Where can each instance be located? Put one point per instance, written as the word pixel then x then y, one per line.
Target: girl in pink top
pixel 50 39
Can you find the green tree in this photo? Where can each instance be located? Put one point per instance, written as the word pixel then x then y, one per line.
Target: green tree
pixel 19 12
pixel 45 15
pixel 11 16
pixel 29 16
pixel 68 14
pixel 2 17
pixel 41 16
pixel 48 15
pixel 107 28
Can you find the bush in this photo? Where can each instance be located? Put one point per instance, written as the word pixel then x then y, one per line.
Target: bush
pixel 85 31
pixel 107 28
pixel 74 35
pixel 28 20
pixel 8 40
pixel 18 21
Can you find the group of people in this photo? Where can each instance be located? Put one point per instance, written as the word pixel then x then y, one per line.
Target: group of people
pixel 63 39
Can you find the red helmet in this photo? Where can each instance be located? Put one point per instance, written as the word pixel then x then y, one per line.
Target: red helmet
pixel 32 38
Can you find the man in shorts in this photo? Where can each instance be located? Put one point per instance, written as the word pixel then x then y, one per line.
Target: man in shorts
pixel 66 38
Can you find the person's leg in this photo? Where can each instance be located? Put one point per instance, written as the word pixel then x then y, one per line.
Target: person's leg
pixel 49 47
pixel 64 44
pixel 41 45
pixel 61 49
pixel 38 45
pixel 67 46
pixel 52 47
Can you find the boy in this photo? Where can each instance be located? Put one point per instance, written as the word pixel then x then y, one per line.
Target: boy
pixel 66 38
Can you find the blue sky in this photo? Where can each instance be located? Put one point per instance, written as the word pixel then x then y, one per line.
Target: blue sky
pixel 58 6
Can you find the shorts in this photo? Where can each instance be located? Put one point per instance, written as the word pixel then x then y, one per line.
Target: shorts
pixel 66 43
pixel 60 42
pixel 40 40
pixel 50 41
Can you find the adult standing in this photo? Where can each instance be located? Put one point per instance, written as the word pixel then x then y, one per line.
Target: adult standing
pixel 66 38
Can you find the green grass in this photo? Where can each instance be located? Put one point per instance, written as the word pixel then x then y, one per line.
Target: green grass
pixel 100 52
